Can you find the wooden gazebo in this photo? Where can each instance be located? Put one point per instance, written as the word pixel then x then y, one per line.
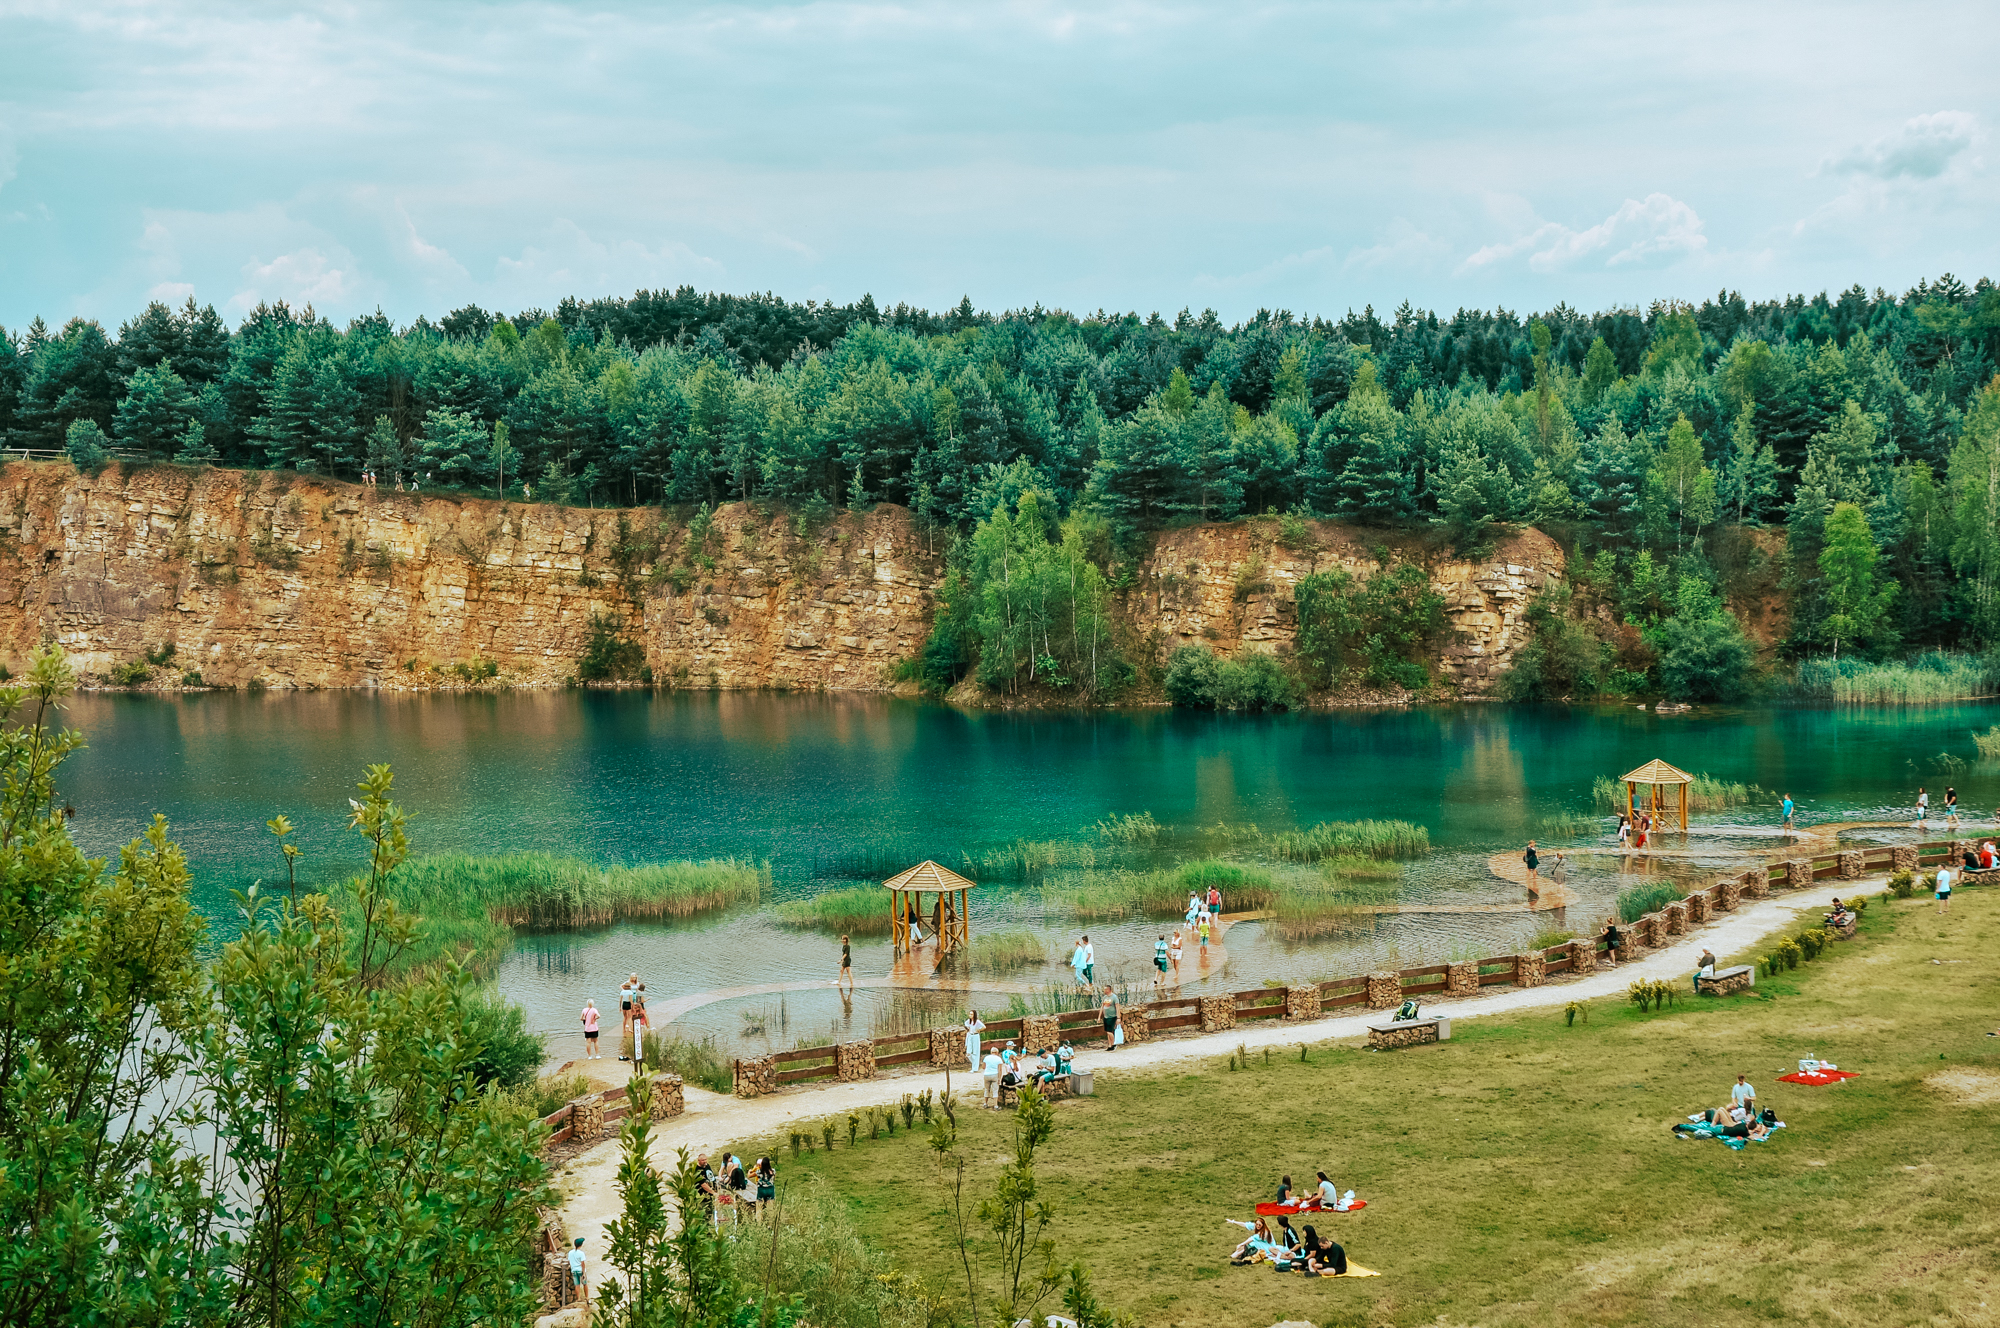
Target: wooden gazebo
pixel 948 914
pixel 1658 777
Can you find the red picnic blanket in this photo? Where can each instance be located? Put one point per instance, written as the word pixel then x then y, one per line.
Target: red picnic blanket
pixel 1309 1206
pixel 1818 1080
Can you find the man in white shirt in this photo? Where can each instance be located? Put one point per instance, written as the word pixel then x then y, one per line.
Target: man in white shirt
pixel 579 1278
pixel 1744 1095
pixel 989 1065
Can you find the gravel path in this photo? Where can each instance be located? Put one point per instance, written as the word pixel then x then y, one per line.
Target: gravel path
pixel 714 1120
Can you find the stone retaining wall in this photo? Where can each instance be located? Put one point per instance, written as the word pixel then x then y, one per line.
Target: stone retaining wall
pixel 1675 917
pixel 1217 1013
pixel 1302 1001
pixel 948 1048
pixel 1649 929
pixel 757 1076
pixel 1461 979
pixel 1798 874
pixel 1697 908
pixel 1039 1033
pixel 1757 883
pixel 1138 1025
pixel 555 1267
pixel 586 1117
pixel 1728 894
pixel 1385 991
pixel 1530 970
pixel 1582 956
pixel 1904 858
pixel 855 1061
pixel 669 1097
pixel 1852 861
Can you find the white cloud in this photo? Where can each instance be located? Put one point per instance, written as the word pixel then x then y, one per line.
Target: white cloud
pixel 571 260
pixel 1922 149
pixel 305 276
pixel 171 292
pixel 1656 229
pixel 1402 246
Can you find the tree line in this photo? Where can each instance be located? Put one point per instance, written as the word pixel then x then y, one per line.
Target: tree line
pixel 1625 432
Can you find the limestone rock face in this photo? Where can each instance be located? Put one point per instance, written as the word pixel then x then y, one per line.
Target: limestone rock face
pixel 284 580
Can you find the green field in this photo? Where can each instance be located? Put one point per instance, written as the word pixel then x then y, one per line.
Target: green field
pixel 1523 1173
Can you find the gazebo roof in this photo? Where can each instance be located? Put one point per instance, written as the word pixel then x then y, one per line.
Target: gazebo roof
pixel 1658 772
pixel 927 875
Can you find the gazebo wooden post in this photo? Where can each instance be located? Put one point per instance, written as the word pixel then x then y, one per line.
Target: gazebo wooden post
pixel 952 918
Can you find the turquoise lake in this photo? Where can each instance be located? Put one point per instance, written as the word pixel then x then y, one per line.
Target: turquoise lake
pixel 828 788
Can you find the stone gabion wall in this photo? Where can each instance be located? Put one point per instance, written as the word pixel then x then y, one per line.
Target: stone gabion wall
pixel 1724 986
pixel 1851 864
pixel 1462 979
pixel 586 1117
pixel 1728 894
pixel 1385 991
pixel 854 1061
pixel 555 1267
pixel 1136 1023
pixel 669 1096
pixel 1039 1033
pixel 757 1076
pixel 1676 918
pixel 1905 857
pixel 948 1048
pixel 1697 908
pixel 1302 1001
pixel 1628 943
pixel 1582 956
pixel 1217 1013
pixel 1530 970
pixel 1389 1039
pixel 1798 874
pixel 1649 929
pixel 1757 883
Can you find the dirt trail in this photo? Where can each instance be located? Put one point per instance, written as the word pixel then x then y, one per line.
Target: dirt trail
pixel 713 1121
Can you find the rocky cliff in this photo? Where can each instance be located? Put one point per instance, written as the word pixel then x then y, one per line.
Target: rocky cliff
pixel 159 574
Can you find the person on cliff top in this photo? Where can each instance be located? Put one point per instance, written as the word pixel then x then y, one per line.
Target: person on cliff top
pixel 590 1052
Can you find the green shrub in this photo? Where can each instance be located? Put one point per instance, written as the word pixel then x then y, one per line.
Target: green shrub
pixel 87 447
pixel 1789 951
pixel 509 1054
pixel 608 656
pixel 1707 659
pixel 697 1061
pixel 130 675
pixel 1381 629
pixel 1903 884
pixel 192 678
pixel 1198 680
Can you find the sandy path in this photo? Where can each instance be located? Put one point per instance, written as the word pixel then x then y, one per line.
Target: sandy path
pixel 712 1120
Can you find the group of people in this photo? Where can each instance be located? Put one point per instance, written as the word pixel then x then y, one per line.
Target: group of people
pixel 632 1018
pixel 1532 860
pixel 1738 1122
pixel 743 1190
pixel 1010 1068
pixel 1924 805
pixel 1285 1248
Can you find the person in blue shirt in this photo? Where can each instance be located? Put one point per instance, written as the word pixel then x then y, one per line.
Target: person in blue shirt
pixel 578 1277
pixel 1786 807
pixel 1160 960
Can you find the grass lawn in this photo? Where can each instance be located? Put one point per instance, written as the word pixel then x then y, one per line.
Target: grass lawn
pixel 1523 1172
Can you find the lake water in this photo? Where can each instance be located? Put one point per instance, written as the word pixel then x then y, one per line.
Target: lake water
pixel 827 789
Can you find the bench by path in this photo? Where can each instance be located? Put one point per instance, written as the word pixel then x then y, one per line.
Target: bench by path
pixel 713 1120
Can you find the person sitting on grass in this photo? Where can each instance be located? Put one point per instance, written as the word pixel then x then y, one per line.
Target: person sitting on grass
pixel 1254 1245
pixel 1323 1258
pixel 1287 1240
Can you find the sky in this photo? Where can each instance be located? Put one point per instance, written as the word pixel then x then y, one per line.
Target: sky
pixel 1310 157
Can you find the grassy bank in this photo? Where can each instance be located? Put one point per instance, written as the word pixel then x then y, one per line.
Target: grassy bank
pixel 1927 679
pixel 1523 1173
pixel 471 905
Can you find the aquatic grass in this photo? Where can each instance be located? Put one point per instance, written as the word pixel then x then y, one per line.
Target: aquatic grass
pixel 1569 825
pixel 542 1096
pixel 469 906
pixel 1988 743
pixel 1304 913
pixel 1550 937
pixel 1002 951
pixel 697 1061
pixel 857 910
pixel 1640 900
pixel 1029 859
pixel 1162 894
pixel 1135 828
pixel 1928 678
pixel 1371 839
pixel 1705 794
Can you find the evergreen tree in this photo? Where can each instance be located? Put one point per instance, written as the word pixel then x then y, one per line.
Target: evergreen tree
pixel 156 411
pixel 86 446
pixel 193 447
pixel 1750 477
pixel 456 445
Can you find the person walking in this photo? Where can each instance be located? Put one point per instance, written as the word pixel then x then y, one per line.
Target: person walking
pixel 1108 1008
pixel 1785 806
pixel 625 1005
pixel 1923 805
pixel 579 1276
pixel 1944 879
pixel 846 965
pixel 1624 831
pixel 1174 955
pixel 639 1025
pixel 1076 962
pixel 1203 933
pixel 1533 862
pixel 989 1068
pixel 590 1030
pixel 1951 805
pixel 973 1028
pixel 1089 955
pixel 1214 903
pixel 1160 960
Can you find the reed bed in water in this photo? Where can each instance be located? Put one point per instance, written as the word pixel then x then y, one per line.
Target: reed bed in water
pixel 1367 839
pixel 1925 679
pixel 1640 900
pixel 1003 951
pixel 1706 794
pixel 855 910
pixel 1304 913
pixel 1162 894
pixel 543 890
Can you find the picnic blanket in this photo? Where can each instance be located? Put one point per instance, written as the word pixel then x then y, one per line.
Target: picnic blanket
pixel 1817 1078
pixel 1307 1206
pixel 1356 1270
pixel 1702 1130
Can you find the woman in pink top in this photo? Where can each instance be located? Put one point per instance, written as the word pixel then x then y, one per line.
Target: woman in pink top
pixel 590 1030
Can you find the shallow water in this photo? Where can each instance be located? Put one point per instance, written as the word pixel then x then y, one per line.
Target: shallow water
pixel 836 789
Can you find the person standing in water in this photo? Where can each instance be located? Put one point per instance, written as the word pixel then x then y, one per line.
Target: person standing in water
pixel 1923 805
pixel 1533 862
pixel 1160 960
pixel 1174 955
pixel 1203 933
pixel 1951 805
pixel 1785 807
pixel 590 1030
pixel 846 965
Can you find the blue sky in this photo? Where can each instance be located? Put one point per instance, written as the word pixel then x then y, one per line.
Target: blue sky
pixel 1152 156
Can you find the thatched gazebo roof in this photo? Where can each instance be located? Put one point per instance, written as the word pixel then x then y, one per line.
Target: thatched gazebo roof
pixel 1654 772
pixel 927 875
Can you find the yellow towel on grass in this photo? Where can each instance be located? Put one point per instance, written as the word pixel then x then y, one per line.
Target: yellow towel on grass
pixel 1356 1270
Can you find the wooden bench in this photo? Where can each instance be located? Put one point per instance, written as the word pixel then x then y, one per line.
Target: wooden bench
pixel 1053 1089
pixel 1393 1033
pixel 1728 980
